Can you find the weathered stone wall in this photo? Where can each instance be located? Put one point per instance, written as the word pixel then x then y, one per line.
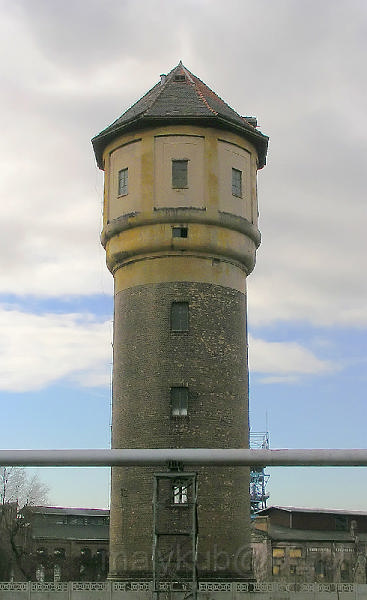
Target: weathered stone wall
pixel 211 359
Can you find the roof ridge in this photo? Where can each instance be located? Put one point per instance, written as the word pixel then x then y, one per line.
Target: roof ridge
pixel 161 85
pixel 158 85
pixel 218 97
pixel 190 76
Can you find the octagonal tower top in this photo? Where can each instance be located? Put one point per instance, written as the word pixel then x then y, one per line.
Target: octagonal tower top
pixel 181 98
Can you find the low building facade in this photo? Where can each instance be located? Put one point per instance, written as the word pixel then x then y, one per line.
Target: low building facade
pixel 300 545
pixel 64 544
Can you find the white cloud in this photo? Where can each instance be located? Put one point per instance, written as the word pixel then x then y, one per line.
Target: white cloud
pixel 40 350
pixel 285 362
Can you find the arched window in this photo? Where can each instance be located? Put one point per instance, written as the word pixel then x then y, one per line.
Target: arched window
pixel 85 554
pixel 40 573
pixel 100 555
pixel 41 551
pixel 59 552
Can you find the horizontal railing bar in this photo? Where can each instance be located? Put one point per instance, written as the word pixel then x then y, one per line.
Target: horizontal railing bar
pixel 187 456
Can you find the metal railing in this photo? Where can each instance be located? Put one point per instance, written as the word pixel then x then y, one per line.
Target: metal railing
pixel 187 456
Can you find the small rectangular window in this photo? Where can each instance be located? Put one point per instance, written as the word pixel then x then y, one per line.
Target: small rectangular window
pixel 179 316
pixel 179 401
pixel 123 182
pixel 179 174
pixel 295 552
pixel 179 232
pixel 179 494
pixel 278 552
pixel 341 523
pixel 236 183
pixel 276 569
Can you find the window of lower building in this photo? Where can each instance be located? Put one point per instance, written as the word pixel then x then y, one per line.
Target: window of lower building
pixel 292 569
pixel 85 553
pixel 179 174
pixel 278 552
pixel 236 183
pixel 320 569
pixel 341 523
pixel 72 520
pixel 344 572
pixel 40 573
pixel 181 232
pixel 123 182
pixel 59 552
pixel 57 573
pixel 179 316
pixel 295 552
pixel 276 569
pixel 179 494
pixel 179 401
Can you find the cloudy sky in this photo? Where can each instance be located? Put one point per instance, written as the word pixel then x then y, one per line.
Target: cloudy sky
pixel 68 69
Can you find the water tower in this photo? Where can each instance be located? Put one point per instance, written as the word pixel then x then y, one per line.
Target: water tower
pixel 180 233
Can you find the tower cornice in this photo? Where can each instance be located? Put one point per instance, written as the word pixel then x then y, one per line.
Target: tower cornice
pixel 179 215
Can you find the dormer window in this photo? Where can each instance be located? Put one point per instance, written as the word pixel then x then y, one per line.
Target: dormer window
pixel 237 183
pixel 179 174
pixel 123 182
pixel 179 78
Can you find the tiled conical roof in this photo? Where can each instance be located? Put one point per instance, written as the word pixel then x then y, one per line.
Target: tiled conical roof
pixel 181 97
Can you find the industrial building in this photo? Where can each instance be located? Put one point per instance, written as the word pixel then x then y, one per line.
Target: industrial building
pixel 306 545
pixel 62 544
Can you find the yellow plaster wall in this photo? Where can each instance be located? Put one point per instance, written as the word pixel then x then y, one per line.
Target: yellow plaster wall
pixel 231 156
pixel 211 152
pixel 180 267
pixel 128 156
pixel 148 154
pixel 151 240
pixel 178 147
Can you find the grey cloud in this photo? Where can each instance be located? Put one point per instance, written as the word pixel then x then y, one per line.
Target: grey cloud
pixel 297 66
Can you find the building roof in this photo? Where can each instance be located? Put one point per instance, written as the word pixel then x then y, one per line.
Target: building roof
pixel 329 511
pixel 60 510
pixel 181 97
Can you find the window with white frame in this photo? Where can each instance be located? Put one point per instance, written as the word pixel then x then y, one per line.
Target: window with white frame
pixel 237 183
pixel 179 494
pixel 123 182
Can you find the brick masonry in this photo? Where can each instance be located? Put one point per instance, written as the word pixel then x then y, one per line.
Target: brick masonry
pixel 211 359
